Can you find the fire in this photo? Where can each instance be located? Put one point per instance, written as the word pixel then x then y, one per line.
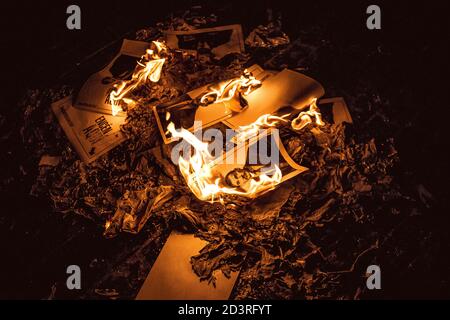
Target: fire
pixel 227 90
pixel 149 68
pixel 306 117
pixel 208 185
pixel 246 132
pixel 198 168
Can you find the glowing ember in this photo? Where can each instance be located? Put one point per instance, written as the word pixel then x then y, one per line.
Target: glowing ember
pixel 149 68
pixel 228 89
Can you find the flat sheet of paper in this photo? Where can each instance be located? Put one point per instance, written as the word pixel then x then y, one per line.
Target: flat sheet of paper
pixel 92 134
pixel 172 277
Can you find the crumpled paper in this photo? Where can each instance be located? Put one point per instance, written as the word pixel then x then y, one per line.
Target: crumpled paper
pixel 270 36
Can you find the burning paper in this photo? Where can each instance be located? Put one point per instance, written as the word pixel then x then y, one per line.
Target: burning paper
pixel 231 89
pixel 285 89
pixel 312 115
pixel 261 93
pixel 95 94
pixel 246 169
pixel 236 171
pixel 209 105
pixel 148 69
pixel 209 178
pixel 93 123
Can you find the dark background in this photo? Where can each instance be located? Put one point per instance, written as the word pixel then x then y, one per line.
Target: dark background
pixel 38 50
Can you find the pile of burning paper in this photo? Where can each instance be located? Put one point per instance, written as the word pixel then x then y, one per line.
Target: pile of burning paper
pixel 169 135
pixel 238 114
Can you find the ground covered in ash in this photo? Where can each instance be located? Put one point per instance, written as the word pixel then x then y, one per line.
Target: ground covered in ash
pixel 312 237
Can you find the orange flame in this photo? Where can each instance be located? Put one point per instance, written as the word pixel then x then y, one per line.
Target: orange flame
pixel 306 117
pixel 249 131
pixel 150 69
pixel 227 90
pixel 206 184
pixel 198 169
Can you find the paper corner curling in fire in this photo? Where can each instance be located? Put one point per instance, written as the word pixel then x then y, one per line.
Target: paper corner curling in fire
pixel 149 67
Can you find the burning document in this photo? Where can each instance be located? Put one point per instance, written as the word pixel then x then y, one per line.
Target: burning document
pixel 268 94
pixel 209 105
pixel 250 168
pixel 251 109
pixel 95 94
pixel 285 89
pixel 93 122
